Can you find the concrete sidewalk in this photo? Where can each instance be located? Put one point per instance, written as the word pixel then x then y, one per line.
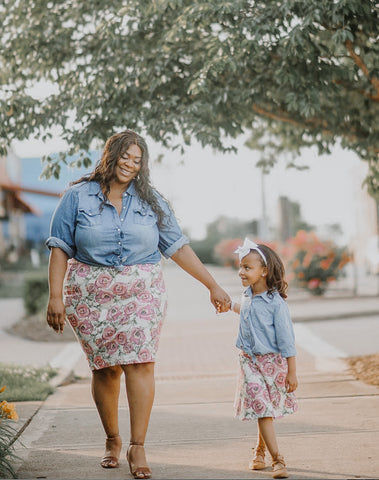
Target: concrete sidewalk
pixel 192 432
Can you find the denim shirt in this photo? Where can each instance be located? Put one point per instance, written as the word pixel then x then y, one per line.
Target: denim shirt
pixel 265 325
pixel 100 236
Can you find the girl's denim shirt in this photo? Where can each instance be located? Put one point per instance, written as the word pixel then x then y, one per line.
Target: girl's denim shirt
pixel 94 233
pixel 265 325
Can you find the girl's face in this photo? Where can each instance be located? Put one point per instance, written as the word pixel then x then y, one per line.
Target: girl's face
pixel 128 165
pixel 253 273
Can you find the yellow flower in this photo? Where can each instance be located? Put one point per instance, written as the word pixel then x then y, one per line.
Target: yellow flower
pixel 2 389
pixel 8 410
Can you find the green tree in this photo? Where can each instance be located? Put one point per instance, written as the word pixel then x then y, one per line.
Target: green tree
pixel 295 72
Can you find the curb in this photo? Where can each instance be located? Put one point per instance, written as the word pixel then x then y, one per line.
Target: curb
pixel 336 316
pixel 65 363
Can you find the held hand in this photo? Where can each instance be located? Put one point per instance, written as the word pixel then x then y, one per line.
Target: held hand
pixel 220 299
pixel 291 382
pixel 56 316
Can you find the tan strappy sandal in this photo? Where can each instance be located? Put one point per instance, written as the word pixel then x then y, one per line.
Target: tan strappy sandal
pixel 109 460
pixel 135 470
pixel 258 460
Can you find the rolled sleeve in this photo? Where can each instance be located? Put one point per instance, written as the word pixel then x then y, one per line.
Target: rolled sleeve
pixel 57 242
pixel 62 227
pixel 285 335
pixel 171 237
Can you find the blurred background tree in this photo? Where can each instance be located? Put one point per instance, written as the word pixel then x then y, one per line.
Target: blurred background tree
pixel 295 73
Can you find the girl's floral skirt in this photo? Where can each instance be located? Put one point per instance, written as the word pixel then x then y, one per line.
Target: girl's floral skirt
pixel 117 316
pixel 261 390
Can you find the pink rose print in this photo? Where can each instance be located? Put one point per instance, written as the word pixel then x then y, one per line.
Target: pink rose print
pixel 82 311
pixel 280 379
pixel 85 327
pixel 73 291
pixel 247 403
pixel 109 332
pixel 146 313
pixel 121 338
pixel 147 267
pixel 138 287
pixel 145 297
pixel 87 348
pixel 268 369
pixel 103 280
pixel 145 355
pixel 275 399
pixel 265 395
pixel 279 360
pixel 120 289
pixel 91 287
pixel 128 348
pixel 103 297
pixel 83 270
pixel 253 388
pixel 290 403
pixel 68 301
pixel 258 406
pixel 73 319
pixel 94 315
pixel 99 362
pixel 137 336
pixel 126 270
pixel 111 347
pixel 114 314
pixel 130 308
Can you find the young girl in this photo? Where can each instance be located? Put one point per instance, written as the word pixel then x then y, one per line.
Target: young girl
pixel 267 358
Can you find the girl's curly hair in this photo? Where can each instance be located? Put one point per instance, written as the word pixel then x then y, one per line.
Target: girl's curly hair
pixel 275 271
pixel 105 169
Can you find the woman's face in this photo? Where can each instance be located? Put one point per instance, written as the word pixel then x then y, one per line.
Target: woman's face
pixel 128 165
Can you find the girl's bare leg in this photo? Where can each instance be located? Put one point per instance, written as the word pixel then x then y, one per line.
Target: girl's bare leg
pixel 267 432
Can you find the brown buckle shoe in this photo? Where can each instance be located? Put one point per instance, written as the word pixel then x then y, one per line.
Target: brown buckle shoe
pixel 258 461
pixel 279 469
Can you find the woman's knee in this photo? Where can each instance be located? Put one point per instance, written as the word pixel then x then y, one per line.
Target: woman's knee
pixel 140 369
pixel 108 373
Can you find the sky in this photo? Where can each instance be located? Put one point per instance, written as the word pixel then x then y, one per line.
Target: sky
pixel 203 185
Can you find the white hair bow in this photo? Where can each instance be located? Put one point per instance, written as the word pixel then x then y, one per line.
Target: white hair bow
pixel 246 247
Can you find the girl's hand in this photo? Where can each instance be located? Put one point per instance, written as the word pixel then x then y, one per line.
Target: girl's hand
pixel 291 382
pixel 56 315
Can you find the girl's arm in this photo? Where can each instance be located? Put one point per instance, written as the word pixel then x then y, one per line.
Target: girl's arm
pixel 55 309
pixel 187 259
pixel 235 307
pixel 291 380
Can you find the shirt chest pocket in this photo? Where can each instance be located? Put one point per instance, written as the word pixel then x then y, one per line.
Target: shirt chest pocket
pixel 144 216
pixel 89 217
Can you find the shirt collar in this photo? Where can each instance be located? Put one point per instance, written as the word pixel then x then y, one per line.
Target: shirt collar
pixel 95 189
pixel 266 297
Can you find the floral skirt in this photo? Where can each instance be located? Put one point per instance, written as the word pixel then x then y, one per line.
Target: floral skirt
pixel 116 316
pixel 261 390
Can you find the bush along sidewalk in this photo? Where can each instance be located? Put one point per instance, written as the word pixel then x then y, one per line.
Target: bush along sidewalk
pixel 8 416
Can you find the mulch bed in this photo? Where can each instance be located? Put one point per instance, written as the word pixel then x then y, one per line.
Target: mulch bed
pixel 35 328
pixel 365 368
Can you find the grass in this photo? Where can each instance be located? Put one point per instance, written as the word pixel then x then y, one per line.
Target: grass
pixel 7 455
pixel 26 383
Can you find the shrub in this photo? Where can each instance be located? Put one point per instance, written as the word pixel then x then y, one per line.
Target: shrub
pixel 8 416
pixel 36 291
pixel 314 264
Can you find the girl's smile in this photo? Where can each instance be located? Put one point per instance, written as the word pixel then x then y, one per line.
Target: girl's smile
pixel 253 273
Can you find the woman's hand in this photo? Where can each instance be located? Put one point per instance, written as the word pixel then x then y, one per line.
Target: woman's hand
pixel 220 299
pixel 291 382
pixel 56 316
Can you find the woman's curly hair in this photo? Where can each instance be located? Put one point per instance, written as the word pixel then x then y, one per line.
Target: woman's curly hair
pixel 105 170
pixel 275 271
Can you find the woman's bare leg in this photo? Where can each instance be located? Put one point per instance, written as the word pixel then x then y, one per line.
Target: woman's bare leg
pixel 105 392
pixel 140 389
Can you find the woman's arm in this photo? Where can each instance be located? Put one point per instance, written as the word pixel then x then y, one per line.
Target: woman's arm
pixel 291 380
pixel 187 259
pixel 55 308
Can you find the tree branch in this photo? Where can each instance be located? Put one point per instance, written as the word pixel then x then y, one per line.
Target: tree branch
pixel 360 64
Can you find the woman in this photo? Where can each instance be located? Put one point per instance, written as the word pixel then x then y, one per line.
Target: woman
pixel 107 236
